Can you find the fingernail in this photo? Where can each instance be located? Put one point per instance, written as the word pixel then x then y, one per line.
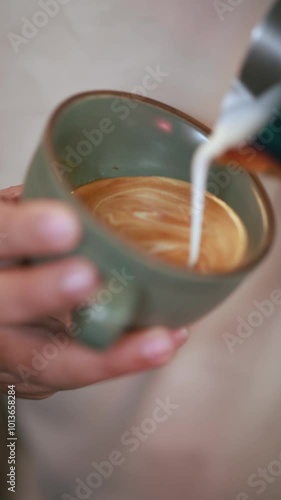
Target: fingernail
pixel 181 335
pixel 81 279
pixel 59 227
pixel 158 345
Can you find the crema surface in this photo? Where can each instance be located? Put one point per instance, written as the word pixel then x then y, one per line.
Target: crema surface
pixel 154 215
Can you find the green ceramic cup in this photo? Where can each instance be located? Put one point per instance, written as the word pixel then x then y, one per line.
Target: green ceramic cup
pixel 112 134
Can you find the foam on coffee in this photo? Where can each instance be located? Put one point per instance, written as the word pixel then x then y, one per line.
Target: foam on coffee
pixel 153 214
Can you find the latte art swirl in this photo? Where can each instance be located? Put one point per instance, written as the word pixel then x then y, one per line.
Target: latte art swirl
pixel 154 215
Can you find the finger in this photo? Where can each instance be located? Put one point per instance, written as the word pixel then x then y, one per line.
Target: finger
pixel 78 366
pixel 33 292
pixel 46 323
pixel 37 228
pixel 37 397
pixel 27 391
pixel 180 337
pixel 53 361
pixel 8 378
pixel 19 343
pixel 11 194
pixel 32 391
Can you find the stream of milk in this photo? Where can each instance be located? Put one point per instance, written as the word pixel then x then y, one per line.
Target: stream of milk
pixel 240 119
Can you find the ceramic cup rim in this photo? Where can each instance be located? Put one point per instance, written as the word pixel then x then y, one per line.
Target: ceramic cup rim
pixel 155 265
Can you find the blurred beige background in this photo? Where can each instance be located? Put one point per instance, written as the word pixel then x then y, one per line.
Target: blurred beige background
pixel 227 425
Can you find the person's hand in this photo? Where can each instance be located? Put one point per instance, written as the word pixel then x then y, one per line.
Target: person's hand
pixel 38 355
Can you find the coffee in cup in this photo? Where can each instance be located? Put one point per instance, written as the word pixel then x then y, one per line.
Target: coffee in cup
pixel 153 214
